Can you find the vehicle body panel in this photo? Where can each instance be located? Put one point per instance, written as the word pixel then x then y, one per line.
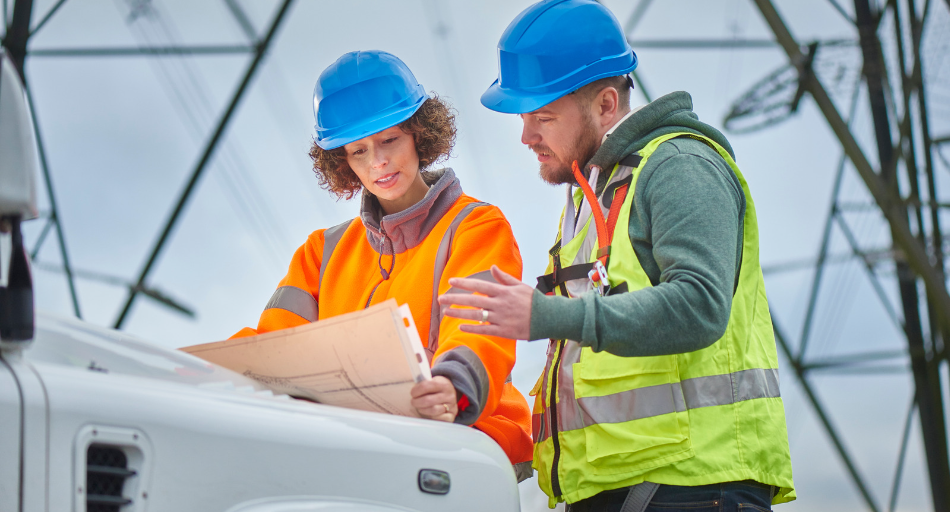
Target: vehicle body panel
pixel 216 440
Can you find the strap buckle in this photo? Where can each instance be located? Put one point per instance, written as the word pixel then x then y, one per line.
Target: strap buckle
pixel 598 278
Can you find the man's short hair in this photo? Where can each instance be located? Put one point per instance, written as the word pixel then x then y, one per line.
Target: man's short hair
pixel 621 82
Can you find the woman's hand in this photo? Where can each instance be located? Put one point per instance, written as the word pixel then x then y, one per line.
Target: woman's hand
pixel 435 399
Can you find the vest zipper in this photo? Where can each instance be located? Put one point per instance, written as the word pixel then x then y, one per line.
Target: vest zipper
pixel 555 482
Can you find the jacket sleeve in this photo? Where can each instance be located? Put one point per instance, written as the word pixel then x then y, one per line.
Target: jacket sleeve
pixel 477 365
pixel 295 301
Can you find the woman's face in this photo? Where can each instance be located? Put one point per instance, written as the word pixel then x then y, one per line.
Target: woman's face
pixel 388 166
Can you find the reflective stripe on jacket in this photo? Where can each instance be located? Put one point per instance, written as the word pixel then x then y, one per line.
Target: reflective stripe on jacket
pixel 703 417
pixel 409 256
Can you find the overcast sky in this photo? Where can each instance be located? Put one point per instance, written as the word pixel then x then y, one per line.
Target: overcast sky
pixel 124 133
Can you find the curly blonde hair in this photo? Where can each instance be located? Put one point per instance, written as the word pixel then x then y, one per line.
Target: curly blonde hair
pixel 432 128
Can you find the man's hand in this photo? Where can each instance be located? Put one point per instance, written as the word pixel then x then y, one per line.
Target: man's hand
pixel 508 303
pixel 435 399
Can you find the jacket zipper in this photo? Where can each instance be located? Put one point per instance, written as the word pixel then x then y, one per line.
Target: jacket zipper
pixel 370 299
pixel 555 482
pixel 384 273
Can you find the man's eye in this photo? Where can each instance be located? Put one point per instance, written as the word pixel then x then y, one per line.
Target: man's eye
pixel 544 120
pixel 358 152
pixel 390 140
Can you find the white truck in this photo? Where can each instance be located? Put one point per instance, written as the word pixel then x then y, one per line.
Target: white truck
pixel 95 420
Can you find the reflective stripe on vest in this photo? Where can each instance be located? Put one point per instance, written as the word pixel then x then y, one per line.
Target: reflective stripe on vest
pixel 652 401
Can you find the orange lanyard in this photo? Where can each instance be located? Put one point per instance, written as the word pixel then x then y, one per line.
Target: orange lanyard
pixel 605 227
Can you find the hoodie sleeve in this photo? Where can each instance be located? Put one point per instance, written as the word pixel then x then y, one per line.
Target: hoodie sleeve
pixel 477 365
pixel 294 302
pixel 689 206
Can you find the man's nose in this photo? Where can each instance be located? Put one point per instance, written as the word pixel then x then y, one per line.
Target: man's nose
pixel 529 135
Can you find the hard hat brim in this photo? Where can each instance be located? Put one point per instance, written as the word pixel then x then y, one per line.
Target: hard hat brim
pixel 510 101
pixel 514 101
pixel 372 127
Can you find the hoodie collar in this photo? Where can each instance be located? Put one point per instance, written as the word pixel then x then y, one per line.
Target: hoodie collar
pixel 670 113
pixel 667 114
pixel 399 232
pixel 618 123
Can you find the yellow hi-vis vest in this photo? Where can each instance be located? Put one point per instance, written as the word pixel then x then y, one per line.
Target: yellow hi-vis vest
pixel 715 415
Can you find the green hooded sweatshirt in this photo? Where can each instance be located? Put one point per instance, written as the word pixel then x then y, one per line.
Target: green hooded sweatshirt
pixel 686 230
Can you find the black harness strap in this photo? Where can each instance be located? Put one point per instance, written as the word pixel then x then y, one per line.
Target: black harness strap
pixel 620 288
pixel 549 282
pixel 631 160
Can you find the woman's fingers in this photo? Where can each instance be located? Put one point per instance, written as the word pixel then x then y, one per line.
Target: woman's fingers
pixel 435 399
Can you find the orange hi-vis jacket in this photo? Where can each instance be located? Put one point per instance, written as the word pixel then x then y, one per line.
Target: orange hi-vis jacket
pixel 410 256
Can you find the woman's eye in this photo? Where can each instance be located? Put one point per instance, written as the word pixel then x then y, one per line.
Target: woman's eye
pixel 390 140
pixel 358 152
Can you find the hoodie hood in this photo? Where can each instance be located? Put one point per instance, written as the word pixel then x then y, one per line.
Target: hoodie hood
pixel 668 114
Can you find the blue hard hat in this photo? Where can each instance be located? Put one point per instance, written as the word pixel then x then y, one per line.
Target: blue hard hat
pixel 363 93
pixel 553 48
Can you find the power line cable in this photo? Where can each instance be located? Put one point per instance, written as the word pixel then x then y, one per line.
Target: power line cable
pixel 192 100
pixel 277 93
pixel 206 155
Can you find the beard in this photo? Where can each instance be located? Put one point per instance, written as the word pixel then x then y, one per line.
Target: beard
pixel 558 171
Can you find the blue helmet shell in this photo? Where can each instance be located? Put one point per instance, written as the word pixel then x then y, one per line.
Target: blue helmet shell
pixel 363 93
pixel 553 48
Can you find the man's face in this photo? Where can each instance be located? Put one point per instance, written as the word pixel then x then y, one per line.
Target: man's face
pixel 559 133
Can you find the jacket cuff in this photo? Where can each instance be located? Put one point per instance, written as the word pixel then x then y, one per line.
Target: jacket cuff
pixel 467 373
pixel 556 317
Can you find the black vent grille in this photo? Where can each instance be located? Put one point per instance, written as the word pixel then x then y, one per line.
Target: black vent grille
pixel 106 470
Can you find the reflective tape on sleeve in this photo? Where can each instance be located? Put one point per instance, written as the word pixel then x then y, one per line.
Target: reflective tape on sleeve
pixel 295 300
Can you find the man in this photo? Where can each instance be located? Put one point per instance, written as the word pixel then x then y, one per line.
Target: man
pixel 660 390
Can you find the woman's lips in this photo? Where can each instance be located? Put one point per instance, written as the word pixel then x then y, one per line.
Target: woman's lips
pixel 388 180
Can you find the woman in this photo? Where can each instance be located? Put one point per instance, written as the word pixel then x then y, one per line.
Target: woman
pixel 377 131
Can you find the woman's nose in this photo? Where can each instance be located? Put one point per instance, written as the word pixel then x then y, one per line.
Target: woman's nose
pixel 379 159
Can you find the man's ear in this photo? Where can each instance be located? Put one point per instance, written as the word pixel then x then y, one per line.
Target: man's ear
pixel 606 105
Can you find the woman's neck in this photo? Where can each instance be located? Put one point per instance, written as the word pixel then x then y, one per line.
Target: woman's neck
pixel 417 190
